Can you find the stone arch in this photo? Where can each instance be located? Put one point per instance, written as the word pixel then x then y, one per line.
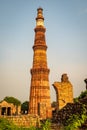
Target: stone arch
pixel 56 90
pixel 64 91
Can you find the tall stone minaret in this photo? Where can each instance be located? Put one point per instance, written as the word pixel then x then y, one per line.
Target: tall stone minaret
pixel 40 103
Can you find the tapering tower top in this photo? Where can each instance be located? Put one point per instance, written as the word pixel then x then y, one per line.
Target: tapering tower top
pixel 40 18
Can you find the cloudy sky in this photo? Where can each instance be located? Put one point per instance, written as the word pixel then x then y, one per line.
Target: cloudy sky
pixel 66 38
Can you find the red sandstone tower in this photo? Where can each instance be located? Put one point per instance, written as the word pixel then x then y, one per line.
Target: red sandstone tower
pixel 40 91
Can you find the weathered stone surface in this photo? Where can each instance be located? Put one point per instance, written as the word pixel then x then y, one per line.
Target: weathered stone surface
pixel 9 108
pixel 24 120
pixel 40 103
pixel 67 111
pixel 64 91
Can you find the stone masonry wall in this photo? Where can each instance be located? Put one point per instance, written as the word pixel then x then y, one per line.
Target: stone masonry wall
pixel 24 120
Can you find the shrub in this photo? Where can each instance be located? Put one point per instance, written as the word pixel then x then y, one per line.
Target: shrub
pixel 83 94
pixel 76 121
pixel 46 125
pixel 6 125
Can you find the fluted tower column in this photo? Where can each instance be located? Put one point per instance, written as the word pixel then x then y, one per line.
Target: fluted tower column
pixel 39 90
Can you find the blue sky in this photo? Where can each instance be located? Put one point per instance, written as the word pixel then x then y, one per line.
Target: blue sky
pixel 66 38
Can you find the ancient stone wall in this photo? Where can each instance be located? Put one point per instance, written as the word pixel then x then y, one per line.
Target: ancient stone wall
pixel 24 120
pixel 9 108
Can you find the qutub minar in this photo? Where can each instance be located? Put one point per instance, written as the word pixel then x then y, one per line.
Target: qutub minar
pixel 40 102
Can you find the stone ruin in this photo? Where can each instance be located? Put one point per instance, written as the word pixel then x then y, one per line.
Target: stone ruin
pixel 76 108
pixel 64 91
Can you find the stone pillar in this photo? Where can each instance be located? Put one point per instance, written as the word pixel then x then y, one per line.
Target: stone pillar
pixel 6 111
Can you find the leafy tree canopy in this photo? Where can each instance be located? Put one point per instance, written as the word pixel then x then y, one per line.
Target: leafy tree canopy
pixel 25 106
pixel 54 104
pixel 13 100
pixel 83 94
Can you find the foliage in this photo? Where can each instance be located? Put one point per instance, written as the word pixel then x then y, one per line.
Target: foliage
pixel 54 104
pixel 32 128
pixel 25 106
pixel 83 94
pixel 76 99
pixel 13 100
pixel 47 125
pixel 76 121
pixel 6 125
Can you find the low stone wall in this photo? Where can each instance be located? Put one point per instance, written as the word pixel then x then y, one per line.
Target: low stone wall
pixel 24 120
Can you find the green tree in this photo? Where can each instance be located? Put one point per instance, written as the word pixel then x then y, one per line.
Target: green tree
pixel 54 104
pixel 13 100
pixel 25 107
pixel 83 94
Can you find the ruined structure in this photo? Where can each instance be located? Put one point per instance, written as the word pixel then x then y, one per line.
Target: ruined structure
pixel 9 109
pixel 40 103
pixel 64 91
